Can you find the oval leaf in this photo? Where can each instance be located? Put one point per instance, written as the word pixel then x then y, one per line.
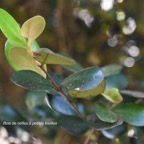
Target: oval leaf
pixel 85 83
pixel 73 125
pixel 22 59
pixel 113 95
pixel 98 124
pixel 11 29
pixel 46 56
pixel 104 113
pixel 131 113
pixel 32 28
pixel 59 104
pixel 111 69
pixel 32 81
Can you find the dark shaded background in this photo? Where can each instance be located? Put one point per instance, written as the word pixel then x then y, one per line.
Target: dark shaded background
pixel 92 33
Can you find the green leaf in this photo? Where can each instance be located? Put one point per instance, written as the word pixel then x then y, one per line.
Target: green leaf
pixel 85 83
pixel 11 29
pixel 104 113
pixel 111 69
pixel 113 95
pixel 22 59
pixel 98 124
pixel 132 93
pixel 131 113
pixel 8 46
pixel 32 81
pixel 59 104
pixel 35 98
pixel 34 46
pixel 46 56
pixel 118 81
pixel 32 28
pixel 73 125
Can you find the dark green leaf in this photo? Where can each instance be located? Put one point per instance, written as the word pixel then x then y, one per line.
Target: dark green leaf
pixel 73 125
pixel 104 113
pixel 97 124
pixel 131 113
pixel 85 83
pixel 32 81
pixel 111 69
pixel 118 81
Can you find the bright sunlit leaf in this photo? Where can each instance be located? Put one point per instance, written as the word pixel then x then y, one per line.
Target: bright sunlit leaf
pixel 32 28
pixel 113 95
pixel 11 29
pixel 46 56
pixel 21 58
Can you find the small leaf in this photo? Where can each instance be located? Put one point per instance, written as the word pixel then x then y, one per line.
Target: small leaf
pixel 131 113
pixel 11 29
pixel 73 125
pixel 32 81
pixel 104 113
pixel 85 83
pixel 113 95
pixel 59 104
pixel 97 124
pixel 32 28
pixel 22 59
pixel 118 81
pixel 46 56
pixel 111 69
pixel 136 94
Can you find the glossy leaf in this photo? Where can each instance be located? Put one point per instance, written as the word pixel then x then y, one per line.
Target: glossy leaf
pixel 11 29
pixel 131 113
pixel 111 69
pixel 113 95
pixel 98 124
pixel 46 56
pixel 132 93
pixel 32 28
pixel 118 81
pixel 73 125
pixel 35 98
pixel 104 113
pixel 22 59
pixel 85 83
pixel 59 104
pixel 31 80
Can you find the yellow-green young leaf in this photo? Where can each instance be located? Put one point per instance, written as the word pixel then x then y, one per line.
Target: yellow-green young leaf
pixel 77 93
pixel 32 28
pixel 11 29
pixel 113 95
pixel 46 56
pixel 21 58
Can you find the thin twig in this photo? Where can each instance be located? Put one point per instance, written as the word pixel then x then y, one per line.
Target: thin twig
pixel 88 137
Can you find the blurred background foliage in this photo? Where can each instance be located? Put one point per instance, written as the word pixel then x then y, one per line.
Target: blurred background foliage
pixel 93 32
